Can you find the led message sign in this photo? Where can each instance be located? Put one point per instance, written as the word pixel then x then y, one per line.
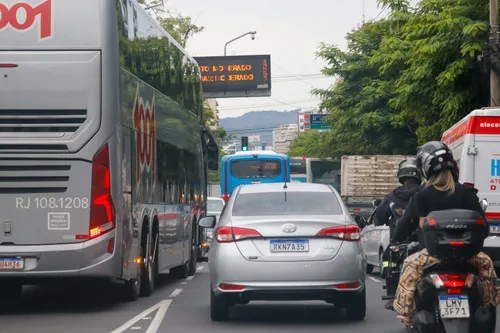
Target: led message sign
pixel 235 76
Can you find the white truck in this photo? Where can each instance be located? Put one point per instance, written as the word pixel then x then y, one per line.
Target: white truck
pixel 475 142
pixel 366 178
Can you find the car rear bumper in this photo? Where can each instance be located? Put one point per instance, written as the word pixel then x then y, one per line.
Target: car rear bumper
pixel 85 259
pixel 261 278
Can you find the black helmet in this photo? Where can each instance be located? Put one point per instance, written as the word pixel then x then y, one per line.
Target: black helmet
pixel 408 169
pixel 434 157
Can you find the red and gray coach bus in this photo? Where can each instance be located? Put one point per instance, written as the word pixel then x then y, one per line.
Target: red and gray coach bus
pixel 103 156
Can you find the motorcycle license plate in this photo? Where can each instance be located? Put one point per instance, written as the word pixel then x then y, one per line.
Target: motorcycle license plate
pixel 454 306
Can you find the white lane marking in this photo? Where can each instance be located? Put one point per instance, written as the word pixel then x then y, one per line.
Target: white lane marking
pixel 175 293
pixel 200 268
pixel 374 279
pixel 184 283
pixel 162 306
pixel 189 278
pixel 135 328
pixel 146 318
pixel 155 324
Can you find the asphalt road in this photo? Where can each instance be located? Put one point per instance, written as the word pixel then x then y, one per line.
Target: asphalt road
pixel 181 306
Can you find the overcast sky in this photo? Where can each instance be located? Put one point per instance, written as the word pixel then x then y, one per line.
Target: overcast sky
pixel 289 30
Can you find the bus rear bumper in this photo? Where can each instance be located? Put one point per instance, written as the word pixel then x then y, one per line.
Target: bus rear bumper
pixel 95 258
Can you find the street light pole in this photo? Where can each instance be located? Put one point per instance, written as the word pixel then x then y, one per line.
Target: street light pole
pixel 232 40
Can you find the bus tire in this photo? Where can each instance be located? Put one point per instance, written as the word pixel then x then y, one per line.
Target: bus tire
pixel 131 290
pixel 193 258
pixel 180 272
pixel 149 268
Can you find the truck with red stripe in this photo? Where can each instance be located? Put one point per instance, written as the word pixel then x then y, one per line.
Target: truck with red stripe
pixel 475 142
pixel 103 156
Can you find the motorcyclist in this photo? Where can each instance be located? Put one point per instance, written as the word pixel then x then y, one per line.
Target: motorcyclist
pixel 442 191
pixel 410 179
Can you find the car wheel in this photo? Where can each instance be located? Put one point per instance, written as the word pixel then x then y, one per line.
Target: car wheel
pixel 382 269
pixel 219 307
pixel 369 268
pixel 355 307
pixel 10 290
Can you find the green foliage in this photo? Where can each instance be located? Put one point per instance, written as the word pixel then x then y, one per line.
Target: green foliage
pixel 181 28
pixel 403 80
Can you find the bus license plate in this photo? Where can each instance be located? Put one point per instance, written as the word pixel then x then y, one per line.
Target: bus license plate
pixel 456 306
pixel 494 228
pixel 11 263
pixel 289 245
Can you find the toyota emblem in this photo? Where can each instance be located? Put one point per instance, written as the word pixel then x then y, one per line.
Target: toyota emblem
pixel 289 228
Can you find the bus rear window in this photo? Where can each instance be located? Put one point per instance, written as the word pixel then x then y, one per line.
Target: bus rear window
pixel 298 166
pixel 255 168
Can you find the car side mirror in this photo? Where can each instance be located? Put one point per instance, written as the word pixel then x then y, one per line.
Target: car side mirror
pixel 484 204
pixel 360 221
pixel 207 222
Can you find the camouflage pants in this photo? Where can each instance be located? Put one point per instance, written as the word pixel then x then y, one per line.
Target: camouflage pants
pixel 412 272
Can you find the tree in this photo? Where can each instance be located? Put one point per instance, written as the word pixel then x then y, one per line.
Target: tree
pixel 309 144
pixel 404 79
pixel 181 28
pixel 442 80
pixel 361 120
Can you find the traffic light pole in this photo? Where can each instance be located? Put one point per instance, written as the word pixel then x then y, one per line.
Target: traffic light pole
pixel 244 143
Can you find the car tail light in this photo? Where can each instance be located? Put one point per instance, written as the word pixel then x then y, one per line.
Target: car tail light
pixel 348 233
pixel 352 285
pixel 452 281
pixel 232 234
pixel 230 287
pixel 102 211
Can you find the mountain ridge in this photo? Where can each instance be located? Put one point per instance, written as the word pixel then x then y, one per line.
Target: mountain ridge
pixel 258 123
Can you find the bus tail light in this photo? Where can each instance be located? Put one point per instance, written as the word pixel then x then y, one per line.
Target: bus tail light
pixel 225 197
pixel 102 210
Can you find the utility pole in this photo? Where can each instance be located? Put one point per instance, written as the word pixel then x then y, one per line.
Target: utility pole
pixel 494 77
pixel 363 4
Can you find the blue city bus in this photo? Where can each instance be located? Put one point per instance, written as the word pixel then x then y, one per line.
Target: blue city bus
pixel 252 167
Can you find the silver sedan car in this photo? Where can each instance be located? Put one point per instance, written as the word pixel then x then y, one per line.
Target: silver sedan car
pixel 294 241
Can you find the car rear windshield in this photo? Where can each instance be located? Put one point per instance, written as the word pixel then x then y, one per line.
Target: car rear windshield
pixel 214 205
pixel 256 168
pixel 294 203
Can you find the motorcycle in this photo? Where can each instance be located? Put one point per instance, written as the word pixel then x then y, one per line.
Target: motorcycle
pixel 397 254
pixel 448 296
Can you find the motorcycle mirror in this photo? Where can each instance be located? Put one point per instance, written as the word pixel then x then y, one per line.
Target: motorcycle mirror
pixel 484 204
pixel 376 203
pixel 394 211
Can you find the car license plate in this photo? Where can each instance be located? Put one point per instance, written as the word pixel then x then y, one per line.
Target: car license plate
pixel 456 306
pixel 494 228
pixel 11 263
pixel 289 245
